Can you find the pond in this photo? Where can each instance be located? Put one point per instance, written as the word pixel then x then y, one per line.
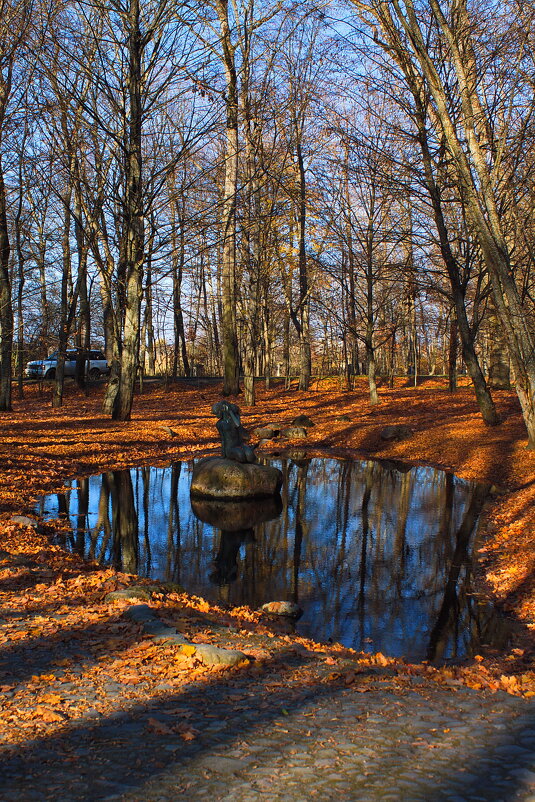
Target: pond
pixel 379 556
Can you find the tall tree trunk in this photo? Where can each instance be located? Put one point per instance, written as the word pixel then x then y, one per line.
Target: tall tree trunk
pixel 149 338
pixel 57 396
pixel 107 318
pixel 499 377
pixel 371 366
pixel 112 331
pixel 84 326
pixel 177 259
pixel 351 347
pixel 133 230
pixel 231 366
pixel 6 308
pixel 267 335
pixel 21 276
pixel 286 350
pixel 452 354
pixel 251 239
pixel 305 357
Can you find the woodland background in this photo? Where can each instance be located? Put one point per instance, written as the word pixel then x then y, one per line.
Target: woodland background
pixel 269 189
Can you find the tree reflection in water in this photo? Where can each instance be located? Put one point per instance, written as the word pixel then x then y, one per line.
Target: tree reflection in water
pixel 379 556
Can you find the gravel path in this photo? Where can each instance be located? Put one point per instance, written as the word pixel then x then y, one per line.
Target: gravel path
pixel 271 737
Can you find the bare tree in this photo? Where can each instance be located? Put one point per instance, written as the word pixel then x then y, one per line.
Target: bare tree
pixel 421 41
pixel 15 19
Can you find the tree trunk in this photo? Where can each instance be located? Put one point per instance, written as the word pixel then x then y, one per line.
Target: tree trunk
pixel 6 308
pixel 452 354
pixel 250 242
pixel 268 367
pixel 499 377
pixel 371 370
pixel 231 367
pixel 83 337
pixel 21 277
pixel 149 325
pixel 371 367
pixel 177 259
pixel 305 357
pixel 133 232
pixel 474 175
pixel 483 396
pixel 57 397
pixel 286 350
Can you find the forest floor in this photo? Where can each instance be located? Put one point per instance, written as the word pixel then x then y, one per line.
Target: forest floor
pixel 63 643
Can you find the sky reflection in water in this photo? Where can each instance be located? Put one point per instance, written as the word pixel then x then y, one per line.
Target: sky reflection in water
pixel 378 556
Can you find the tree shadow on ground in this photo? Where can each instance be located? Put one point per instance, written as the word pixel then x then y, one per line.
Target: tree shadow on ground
pixel 123 751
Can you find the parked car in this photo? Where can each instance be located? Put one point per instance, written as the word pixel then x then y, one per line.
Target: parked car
pixel 46 368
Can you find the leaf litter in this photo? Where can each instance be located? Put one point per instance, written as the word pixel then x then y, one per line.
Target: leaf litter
pixel 53 603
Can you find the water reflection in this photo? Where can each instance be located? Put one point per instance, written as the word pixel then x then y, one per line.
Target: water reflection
pixel 378 556
pixel 236 520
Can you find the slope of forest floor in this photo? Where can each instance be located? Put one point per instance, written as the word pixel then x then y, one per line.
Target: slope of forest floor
pixel 52 598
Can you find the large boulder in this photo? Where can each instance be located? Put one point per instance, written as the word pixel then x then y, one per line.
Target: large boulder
pixel 218 477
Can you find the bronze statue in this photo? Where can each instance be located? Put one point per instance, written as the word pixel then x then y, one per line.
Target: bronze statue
pixel 232 433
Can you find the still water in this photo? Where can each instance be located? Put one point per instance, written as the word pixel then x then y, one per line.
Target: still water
pixel 378 556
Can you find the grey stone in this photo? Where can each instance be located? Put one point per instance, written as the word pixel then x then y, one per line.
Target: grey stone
pixel 294 433
pixel 466 777
pixel 398 431
pixel 215 656
pixel 139 613
pixel 25 520
pixel 161 632
pixel 524 775
pixel 265 432
pixel 283 608
pixel 513 751
pixel 224 765
pixel 303 420
pixel 134 592
pixel 208 654
pixel 169 432
pixel 221 478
